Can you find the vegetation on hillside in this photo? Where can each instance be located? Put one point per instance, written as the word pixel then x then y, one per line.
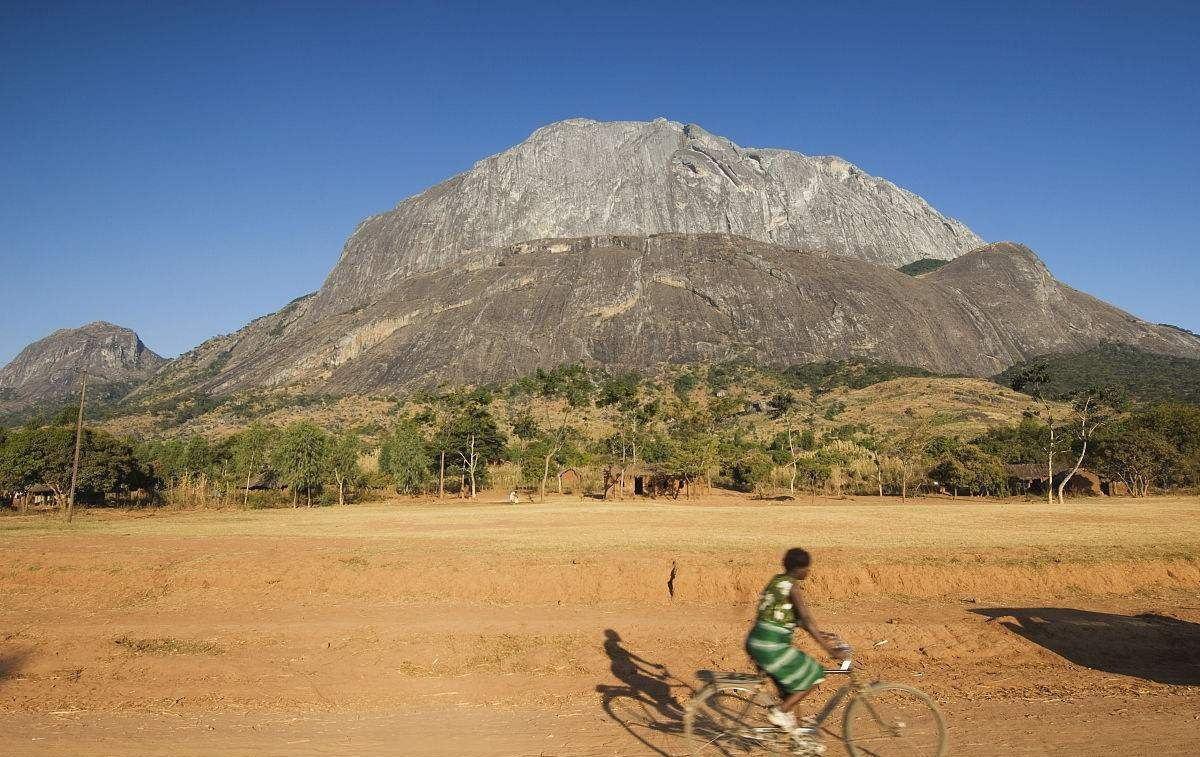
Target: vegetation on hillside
pixel 1146 377
pixel 924 265
pixel 770 432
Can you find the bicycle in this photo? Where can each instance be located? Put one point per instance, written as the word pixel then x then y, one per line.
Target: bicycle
pixel 728 717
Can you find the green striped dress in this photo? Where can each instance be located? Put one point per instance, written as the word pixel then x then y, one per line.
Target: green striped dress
pixel 770 641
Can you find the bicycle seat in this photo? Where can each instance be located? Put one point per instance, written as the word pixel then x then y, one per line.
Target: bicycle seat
pixel 730 677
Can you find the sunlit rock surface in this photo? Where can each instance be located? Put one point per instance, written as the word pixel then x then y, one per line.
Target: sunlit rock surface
pixel 581 177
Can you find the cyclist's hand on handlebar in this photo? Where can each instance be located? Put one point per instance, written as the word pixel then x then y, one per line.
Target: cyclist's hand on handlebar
pixel 837 648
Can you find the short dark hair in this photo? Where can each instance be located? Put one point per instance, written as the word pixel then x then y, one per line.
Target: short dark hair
pixel 796 558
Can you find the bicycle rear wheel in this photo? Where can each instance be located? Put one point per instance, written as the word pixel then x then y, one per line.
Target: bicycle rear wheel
pixel 894 720
pixel 731 721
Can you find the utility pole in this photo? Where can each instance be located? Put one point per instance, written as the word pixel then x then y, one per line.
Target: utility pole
pixel 78 444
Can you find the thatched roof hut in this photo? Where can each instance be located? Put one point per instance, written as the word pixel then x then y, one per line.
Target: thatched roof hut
pixel 1033 477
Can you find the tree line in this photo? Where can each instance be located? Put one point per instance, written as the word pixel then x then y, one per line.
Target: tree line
pixel 614 434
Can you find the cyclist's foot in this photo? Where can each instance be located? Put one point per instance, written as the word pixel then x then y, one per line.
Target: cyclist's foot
pixel 804 745
pixel 785 720
pixel 806 725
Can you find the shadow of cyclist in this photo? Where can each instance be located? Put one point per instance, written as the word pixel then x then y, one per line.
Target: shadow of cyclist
pixel 643 704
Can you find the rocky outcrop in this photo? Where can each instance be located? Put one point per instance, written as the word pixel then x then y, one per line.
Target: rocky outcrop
pixel 581 177
pixel 635 302
pixel 49 368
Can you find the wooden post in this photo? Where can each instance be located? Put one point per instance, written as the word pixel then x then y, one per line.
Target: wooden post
pixel 78 445
pixel 442 476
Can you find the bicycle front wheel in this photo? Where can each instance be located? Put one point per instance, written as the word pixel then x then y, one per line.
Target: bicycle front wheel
pixel 729 721
pixel 894 720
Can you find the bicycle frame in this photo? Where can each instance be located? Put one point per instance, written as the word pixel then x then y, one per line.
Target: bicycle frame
pixel 856 692
pixel 763 685
pixel 847 669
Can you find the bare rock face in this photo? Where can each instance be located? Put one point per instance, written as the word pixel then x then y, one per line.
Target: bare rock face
pixel 636 302
pixel 580 178
pixel 633 244
pixel 49 368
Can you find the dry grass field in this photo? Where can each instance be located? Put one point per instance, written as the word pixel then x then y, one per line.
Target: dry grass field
pixel 424 628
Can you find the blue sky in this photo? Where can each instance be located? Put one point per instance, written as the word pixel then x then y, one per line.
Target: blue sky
pixel 184 170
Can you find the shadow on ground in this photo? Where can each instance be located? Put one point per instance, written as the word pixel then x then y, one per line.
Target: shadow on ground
pixel 1151 647
pixel 648 702
pixel 11 663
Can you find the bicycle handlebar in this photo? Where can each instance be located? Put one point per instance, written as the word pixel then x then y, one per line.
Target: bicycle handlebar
pixel 845 667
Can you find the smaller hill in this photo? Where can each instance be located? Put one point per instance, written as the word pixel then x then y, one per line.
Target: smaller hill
pixel 47 371
pixel 960 407
pixel 827 375
pixel 1146 377
pixel 924 265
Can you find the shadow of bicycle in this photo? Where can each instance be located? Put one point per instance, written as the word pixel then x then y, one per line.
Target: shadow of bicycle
pixel 648 701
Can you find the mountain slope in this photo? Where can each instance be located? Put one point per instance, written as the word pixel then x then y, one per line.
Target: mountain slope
pixel 580 178
pixel 636 302
pixel 48 369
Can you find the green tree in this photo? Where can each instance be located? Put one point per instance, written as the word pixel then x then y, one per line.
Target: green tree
pixel 1179 424
pixel 1023 443
pixel 550 451
pixel 961 466
pixel 621 390
pixel 405 458
pixel 906 448
pixel 174 459
pixel 525 427
pixel 684 383
pixel 344 451
pixel 781 403
pixel 691 453
pixel 1139 457
pixel 815 470
pixel 301 457
pixel 472 441
pixel 44 456
pixel 250 453
pixel 744 464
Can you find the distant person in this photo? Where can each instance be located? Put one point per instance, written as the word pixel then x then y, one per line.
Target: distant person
pixel 781 609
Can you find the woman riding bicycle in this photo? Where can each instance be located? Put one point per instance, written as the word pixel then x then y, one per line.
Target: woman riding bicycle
pixel 780 610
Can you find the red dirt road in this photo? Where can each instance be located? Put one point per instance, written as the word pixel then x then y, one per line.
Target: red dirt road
pixel 487 630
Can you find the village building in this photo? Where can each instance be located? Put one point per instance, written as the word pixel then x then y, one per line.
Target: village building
pixel 1033 478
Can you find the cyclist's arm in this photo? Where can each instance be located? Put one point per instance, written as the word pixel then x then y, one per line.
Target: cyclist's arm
pixel 806 620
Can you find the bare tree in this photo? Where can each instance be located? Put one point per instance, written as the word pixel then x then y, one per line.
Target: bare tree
pixel 470 461
pixel 795 456
pixel 1035 381
pixel 1092 410
pixel 554 444
pixel 908 450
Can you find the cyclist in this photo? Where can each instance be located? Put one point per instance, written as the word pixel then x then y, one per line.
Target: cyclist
pixel 780 610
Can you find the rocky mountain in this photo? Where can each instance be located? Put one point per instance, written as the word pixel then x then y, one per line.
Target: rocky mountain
pixel 632 244
pixel 48 369
pixel 629 301
pixel 581 178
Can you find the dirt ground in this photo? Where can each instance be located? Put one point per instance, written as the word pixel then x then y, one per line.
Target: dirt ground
pixel 419 628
